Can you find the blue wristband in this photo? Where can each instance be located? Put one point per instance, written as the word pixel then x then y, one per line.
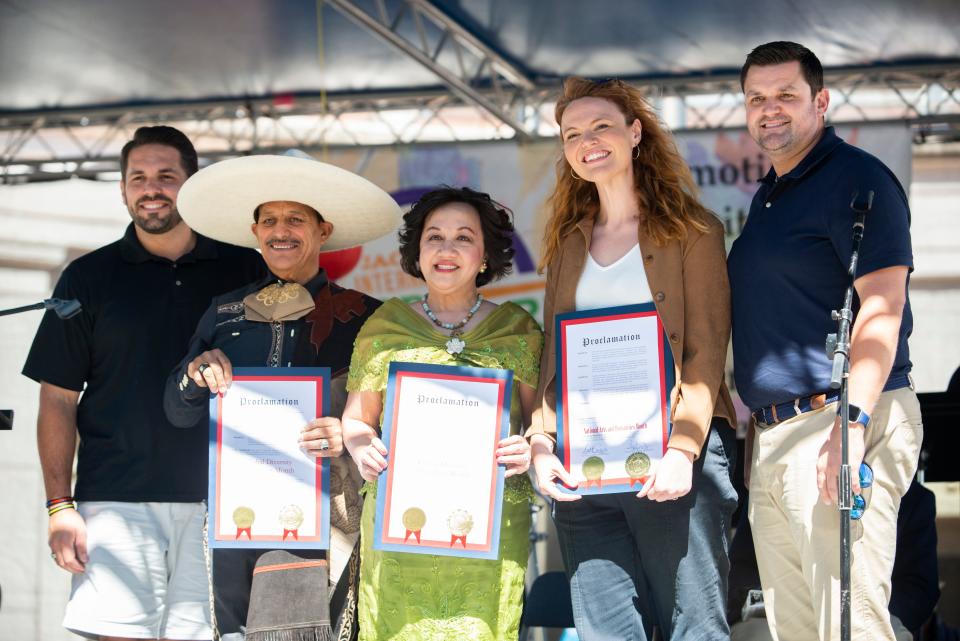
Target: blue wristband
pixel 857 415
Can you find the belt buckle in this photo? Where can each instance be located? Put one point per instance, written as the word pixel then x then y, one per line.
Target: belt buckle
pixel 818 401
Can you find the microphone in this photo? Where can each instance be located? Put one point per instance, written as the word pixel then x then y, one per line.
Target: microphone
pixel 63 308
pixel 859 206
pixel 860 211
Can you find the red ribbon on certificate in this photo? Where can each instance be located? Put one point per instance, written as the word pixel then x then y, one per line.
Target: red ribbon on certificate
pixel 462 538
pixel 241 530
pixel 415 533
pixel 292 533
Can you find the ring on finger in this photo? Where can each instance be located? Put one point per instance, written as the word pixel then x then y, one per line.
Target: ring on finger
pixel 203 367
pixel 324 444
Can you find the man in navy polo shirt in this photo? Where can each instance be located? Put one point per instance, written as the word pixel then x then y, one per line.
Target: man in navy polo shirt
pixel 788 270
pixel 131 531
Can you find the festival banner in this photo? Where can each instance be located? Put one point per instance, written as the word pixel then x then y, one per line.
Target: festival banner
pixel 725 164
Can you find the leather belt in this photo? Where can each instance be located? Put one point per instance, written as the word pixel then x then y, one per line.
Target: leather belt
pixel 773 414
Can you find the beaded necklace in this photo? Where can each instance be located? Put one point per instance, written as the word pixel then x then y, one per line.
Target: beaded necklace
pixel 455 345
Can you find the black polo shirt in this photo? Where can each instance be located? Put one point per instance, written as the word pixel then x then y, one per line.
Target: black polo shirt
pixel 139 311
pixel 788 269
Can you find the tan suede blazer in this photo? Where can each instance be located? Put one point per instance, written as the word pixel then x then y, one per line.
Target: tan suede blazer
pixel 688 281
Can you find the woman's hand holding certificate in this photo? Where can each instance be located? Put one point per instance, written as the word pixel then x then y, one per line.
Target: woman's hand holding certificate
pixel 514 453
pixel 549 471
pixel 370 459
pixel 671 478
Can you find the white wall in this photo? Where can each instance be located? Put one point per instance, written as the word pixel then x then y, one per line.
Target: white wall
pixel 45 225
pixel 935 284
pixel 34 588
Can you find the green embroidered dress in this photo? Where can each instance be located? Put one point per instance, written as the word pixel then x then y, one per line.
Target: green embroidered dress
pixel 423 597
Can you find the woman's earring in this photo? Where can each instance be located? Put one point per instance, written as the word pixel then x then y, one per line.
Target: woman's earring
pixel 636 152
pixel 483 266
pixel 574 174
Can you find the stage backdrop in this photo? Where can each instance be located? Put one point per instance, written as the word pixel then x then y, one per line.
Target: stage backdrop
pixel 726 165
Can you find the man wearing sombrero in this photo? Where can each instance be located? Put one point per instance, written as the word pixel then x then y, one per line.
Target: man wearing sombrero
pixel 294 207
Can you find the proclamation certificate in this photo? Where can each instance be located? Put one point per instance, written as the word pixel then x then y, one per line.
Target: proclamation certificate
pixel 614 377
pixel 264 490
pixel 442 489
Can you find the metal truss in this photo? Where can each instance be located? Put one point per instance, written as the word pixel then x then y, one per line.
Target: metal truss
pixel 45 145
pixel 926 96
pixel 464 63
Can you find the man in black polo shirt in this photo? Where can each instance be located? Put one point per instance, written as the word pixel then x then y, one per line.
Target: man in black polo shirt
pixel 131 531
pixel 788 270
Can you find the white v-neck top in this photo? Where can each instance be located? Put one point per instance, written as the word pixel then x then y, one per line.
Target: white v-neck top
pixel 622 282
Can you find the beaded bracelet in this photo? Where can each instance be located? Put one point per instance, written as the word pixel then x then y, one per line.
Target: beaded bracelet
pixel 61 507
pixel 59 504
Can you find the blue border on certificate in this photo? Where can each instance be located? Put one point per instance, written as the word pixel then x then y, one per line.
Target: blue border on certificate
pixel 666 366
pixel 493 550
pixel 321 374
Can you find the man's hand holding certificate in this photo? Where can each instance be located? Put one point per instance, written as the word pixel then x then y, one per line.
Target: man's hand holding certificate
pixel 615 373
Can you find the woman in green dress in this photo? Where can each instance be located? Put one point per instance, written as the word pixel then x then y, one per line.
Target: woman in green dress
pixel 456 240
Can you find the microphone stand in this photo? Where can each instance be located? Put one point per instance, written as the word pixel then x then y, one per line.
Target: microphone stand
pixel 63 308
pixel 838 347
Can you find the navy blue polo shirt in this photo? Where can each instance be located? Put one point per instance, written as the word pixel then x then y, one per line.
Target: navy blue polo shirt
pixel 788 269
pixel 139 311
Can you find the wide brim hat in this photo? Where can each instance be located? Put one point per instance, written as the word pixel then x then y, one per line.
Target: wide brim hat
pixel 218 201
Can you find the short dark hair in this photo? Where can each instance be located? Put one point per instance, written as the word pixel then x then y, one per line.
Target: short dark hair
pixel 495 222
pixel 161 135
pixel 781 51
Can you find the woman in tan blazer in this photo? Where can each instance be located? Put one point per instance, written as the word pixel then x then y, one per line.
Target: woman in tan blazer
pixel 626 228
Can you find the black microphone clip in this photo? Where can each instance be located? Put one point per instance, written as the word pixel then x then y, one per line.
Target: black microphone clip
pixel 859 206
pixel 63 308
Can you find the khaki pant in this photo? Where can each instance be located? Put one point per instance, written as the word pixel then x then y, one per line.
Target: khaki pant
pixel 758 630
pixel 797 537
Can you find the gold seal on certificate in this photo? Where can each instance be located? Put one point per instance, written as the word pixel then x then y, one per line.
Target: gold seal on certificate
pixel 614 375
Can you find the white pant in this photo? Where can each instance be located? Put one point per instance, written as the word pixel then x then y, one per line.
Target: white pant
pixel 146 577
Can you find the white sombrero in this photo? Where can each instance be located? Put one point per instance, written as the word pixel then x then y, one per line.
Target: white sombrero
pixel 218 201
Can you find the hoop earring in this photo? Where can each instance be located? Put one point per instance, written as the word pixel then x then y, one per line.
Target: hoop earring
pixel 636 149
pixel 574 174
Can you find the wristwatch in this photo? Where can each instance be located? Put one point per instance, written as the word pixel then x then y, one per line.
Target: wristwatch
pixel 857 415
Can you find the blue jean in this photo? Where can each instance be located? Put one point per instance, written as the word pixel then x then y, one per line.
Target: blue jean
pixel 635 563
